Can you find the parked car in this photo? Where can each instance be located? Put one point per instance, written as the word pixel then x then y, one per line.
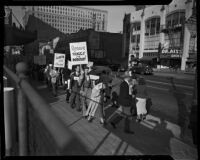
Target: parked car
pixel 107 63
pixel 142 69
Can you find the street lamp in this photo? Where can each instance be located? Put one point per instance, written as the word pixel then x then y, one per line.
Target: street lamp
pixel 158 56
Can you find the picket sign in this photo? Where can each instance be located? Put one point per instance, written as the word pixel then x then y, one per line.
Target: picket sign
pixel 59 60
pixel 78 52
pixel 94 77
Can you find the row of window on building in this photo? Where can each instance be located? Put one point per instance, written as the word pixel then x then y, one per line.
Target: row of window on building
pixel 152 25
pixel 71 11
pixel 153 30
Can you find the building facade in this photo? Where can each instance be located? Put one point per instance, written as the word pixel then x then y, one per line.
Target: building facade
pixel 69 19
pixel 166 25
pixel 100 45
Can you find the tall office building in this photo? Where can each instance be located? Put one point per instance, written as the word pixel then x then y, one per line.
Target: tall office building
pixel 69 19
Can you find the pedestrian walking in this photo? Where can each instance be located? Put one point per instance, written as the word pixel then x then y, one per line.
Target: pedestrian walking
pixel 86 89
pixel 95 100
pixel 115 89
pixel 141 98
pixel 47 76
pixel 54 75
pixel 66 77
pixel 125 103
pixel 74 99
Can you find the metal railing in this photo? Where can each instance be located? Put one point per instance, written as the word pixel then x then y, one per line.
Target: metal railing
pixel 65 142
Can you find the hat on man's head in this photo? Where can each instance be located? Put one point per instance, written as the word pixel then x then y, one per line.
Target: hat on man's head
pixel 85 67
pixel 126 75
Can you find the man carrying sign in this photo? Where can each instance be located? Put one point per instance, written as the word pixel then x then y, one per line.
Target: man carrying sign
pixel 74 99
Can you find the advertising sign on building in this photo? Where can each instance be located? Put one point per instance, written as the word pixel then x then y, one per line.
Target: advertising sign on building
pixel 171 53
pixel 78 52
pixel 59 60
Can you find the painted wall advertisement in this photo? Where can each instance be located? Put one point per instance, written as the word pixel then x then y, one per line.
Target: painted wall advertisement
pixel 59 60
pixel 78 52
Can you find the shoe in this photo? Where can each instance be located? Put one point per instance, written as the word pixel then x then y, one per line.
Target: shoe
pixel 78 110
pixel 128 131
pixel 72 106
pixel 90 119
pixel 138 120
pixel 85 116
pixel 113 125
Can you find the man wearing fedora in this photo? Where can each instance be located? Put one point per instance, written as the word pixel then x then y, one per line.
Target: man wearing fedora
pixel 125 103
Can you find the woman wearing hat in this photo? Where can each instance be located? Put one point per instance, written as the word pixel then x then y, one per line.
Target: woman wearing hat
pixel 86 89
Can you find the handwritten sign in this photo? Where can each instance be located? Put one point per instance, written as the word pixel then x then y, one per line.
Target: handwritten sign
pixel 59 60
pixel 78 52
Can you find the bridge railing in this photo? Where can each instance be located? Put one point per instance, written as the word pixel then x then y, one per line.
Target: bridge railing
pixel 39 131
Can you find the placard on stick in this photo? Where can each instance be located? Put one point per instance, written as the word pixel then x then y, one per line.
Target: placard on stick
pixel 59 60
pixel 78 52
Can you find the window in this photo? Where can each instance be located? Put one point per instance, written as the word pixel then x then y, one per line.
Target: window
pixel 157 25
pixel 153 24
pixel 175 19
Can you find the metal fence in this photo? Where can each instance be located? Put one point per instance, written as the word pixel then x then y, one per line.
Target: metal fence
pixel 40 132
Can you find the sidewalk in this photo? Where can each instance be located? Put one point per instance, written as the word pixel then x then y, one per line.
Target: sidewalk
pixel 152 137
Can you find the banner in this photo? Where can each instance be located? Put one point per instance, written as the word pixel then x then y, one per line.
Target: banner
pixel 78 52
pixel 59 60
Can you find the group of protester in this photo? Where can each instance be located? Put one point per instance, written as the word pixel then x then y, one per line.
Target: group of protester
pixel 88 96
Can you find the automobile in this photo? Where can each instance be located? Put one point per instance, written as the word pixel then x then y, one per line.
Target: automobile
pixel 105 62
pixel 97 70
pixel 142 69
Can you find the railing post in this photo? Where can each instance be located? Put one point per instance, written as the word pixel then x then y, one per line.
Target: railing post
pixel 21 69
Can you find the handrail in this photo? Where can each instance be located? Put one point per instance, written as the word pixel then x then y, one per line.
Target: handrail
pixel 55 126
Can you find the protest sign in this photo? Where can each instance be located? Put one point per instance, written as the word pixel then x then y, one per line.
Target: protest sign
pixel 94 77
pixel 59 60
pixel 90 64
pixel 78 52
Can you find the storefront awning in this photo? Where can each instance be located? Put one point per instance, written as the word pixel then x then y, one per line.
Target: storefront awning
pixel 191 60
pixel 146 58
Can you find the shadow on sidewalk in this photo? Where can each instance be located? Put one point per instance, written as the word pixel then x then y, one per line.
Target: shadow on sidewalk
pixel 45 92
pixel 183 108
pixel 147 140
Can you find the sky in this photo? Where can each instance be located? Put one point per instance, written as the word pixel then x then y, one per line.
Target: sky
pixel 115 15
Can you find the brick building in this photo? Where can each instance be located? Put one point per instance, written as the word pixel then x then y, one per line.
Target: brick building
pixel 100 45
pixel 45 33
